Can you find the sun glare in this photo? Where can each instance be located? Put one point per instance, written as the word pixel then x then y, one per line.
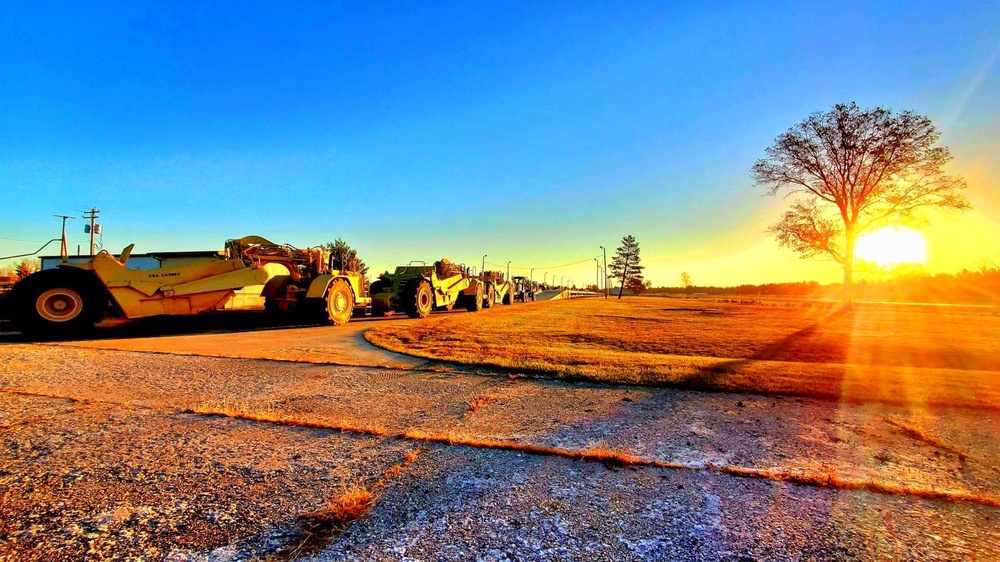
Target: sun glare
pixel 892 245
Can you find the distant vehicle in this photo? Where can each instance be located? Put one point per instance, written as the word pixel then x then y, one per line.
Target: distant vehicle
pixel 497 290
pixel 417 289
pixel 524 289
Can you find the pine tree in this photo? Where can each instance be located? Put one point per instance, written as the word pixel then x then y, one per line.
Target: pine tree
pixel 625 264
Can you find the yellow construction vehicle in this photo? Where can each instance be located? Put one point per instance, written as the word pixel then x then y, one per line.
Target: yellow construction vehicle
pixel 72 298
pixel 498 290
pixel 418 288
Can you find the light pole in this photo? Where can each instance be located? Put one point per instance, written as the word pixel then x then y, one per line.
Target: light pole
pixel 531 277
pixel 561 281
pixel 483 270
pixel 545 278
pixel 508 269
pixel 597 273
pixel 603 249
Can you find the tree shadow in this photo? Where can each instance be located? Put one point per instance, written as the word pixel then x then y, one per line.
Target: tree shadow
pixel 774 351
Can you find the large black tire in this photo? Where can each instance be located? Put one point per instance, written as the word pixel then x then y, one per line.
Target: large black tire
pixel 475 304
pixel 339 303
pixel 419 299
pixel 58 303
pixel 507 297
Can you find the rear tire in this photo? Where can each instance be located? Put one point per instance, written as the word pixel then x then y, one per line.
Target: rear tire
pixel 507 298
pixel 491 297
pixel 420 299
pixel 58 303
pixel 475 304
pixel 339 303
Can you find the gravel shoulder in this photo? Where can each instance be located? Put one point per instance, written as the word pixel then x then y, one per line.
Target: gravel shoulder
pixel 101 455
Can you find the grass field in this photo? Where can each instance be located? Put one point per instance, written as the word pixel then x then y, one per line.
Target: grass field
pixel 890 353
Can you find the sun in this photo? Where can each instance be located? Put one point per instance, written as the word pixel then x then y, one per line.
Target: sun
pixel 892 245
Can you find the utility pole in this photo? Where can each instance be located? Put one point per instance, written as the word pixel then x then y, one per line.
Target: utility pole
pixel 508 270
pixel 63 251
pixel 605 272
pixel 597 274
pixel 93 227
pixel 483 271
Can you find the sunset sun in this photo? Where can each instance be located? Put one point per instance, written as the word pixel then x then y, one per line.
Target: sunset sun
pixel 892 245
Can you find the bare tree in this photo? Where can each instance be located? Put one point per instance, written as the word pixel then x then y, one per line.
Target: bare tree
pixel 685 279
pixel 625 264
pixel 859 170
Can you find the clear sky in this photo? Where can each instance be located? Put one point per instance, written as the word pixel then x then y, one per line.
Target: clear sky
pixel 532 132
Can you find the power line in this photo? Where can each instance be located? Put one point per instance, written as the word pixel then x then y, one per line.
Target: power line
pixel 544 266
pixel 21 240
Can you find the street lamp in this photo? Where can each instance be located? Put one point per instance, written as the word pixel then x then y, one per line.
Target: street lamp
pixel 597 272
pixel 483 271
pixel 545 278
pixel 531 277
pixel 508 269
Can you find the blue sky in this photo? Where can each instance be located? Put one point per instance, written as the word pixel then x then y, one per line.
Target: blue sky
pixel 532 132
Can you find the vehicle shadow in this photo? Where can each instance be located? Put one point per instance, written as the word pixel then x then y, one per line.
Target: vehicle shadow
pixel 166 326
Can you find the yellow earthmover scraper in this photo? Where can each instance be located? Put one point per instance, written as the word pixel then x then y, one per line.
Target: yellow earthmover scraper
pixel 74 297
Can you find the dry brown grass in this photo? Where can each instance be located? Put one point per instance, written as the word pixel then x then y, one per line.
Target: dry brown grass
pixel 348 506
pixel 897 354
pixel 249 410
pixel 479 400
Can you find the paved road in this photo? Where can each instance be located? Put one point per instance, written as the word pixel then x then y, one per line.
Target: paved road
pixel 103 450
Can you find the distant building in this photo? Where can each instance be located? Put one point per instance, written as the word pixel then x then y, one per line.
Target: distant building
pixel 144 261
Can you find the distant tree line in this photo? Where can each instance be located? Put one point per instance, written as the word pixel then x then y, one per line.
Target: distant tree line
pixel 980 286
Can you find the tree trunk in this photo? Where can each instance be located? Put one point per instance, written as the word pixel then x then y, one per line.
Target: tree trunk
pixel 848 289
pixel 624 275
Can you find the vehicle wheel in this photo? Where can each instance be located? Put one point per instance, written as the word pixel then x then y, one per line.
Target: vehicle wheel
pixel 420 299
pixel 272 306
pixel 339 303
pixel 55 303
pixel 491 298
pixel 507 298
pixel 475 304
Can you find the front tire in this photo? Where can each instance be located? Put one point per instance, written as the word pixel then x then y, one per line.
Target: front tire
pixel 507 299
pixel 421 300
pixel 339 303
